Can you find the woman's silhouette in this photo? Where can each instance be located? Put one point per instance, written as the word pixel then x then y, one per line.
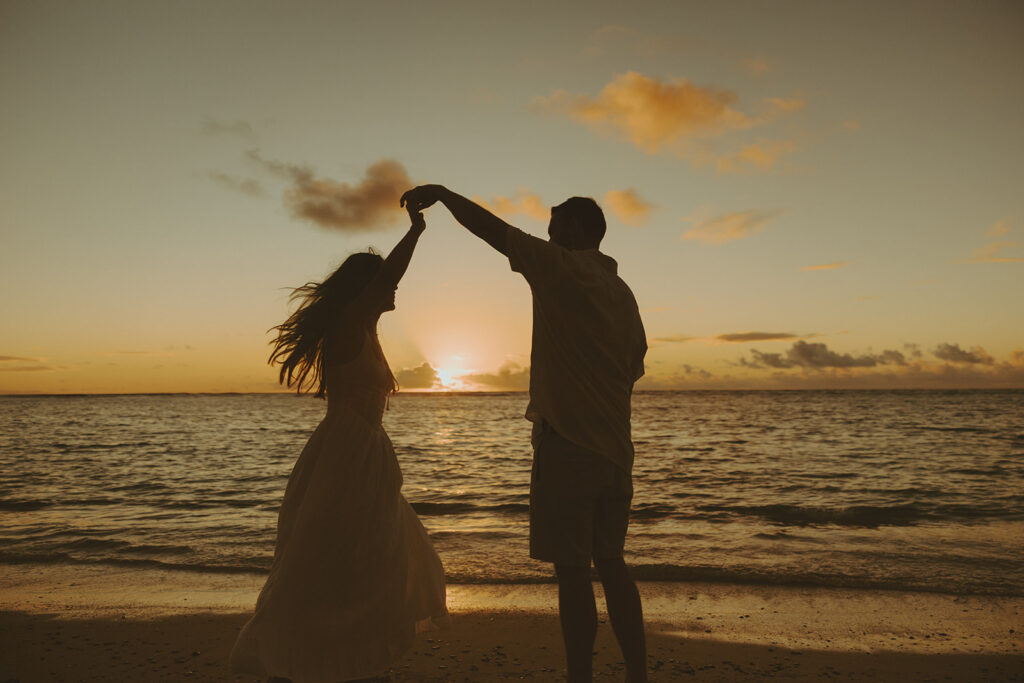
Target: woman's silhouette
pixel 354 574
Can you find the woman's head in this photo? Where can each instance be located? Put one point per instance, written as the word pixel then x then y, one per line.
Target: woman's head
pixel 355 272
pixel 299 345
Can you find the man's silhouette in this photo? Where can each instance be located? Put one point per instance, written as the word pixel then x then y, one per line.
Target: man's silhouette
pixel 588 350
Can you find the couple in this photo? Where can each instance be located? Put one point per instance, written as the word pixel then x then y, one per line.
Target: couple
pixel 354 575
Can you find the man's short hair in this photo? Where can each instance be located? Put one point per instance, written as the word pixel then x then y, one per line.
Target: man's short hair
pixel 587 213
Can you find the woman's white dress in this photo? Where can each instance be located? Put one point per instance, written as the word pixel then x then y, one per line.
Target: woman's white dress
pixel 354 575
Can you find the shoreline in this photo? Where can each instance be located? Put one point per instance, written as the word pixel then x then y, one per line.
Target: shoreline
pixel 473 392
pixel 85 623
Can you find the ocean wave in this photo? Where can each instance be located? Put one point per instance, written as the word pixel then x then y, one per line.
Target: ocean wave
pixel 97 446
pixel 666 573
pixel 141 486
pixel 24 505
pixel 50 558
pixel 709 574
pixel 435 509
pixel 869 516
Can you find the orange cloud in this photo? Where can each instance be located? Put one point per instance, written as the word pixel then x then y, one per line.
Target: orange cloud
pixel 628 206
pixel 730 226
pixel 999 228
pixel 760 156
pixel 673 339
pixel 756 66
pixel 739 337
pixel 368 205
pixel 676 116
pixel 524 203
pixel 786 105
pixel 990 254
pixel 27 368
pixel 652 114
pixel 828 266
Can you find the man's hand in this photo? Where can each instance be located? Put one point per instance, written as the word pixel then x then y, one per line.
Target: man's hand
pixel 474 217
pixel 419 198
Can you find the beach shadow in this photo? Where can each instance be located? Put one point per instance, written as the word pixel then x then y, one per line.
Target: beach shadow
pixel 479 646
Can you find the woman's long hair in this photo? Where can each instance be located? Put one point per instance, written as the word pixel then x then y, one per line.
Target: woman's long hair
pixel 299 345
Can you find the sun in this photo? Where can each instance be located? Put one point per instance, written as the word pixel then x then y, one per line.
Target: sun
pixel 449 374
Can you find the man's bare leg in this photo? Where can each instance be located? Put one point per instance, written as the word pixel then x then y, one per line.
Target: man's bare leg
pixel 626 614
pixel 578 612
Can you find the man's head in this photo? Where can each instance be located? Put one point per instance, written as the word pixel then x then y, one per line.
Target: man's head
pixel 577 223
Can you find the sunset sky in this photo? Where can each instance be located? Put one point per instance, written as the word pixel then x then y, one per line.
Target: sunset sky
pixel 800 194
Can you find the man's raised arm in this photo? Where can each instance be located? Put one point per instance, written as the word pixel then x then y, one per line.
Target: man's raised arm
pixel 474 217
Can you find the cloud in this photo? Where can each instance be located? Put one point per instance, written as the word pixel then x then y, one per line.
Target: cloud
pixel 760 156
pixel 999 228
pixel 827 266
pixel 815 355
pixel 681 377
pixel 510 377
pixel 423 376
pixel 673 339
pixel 678 117
pixel 249 186
pixel 26 368
pixel 990 254
pixel 787 105
pixel 739 337
pixel 628 206
pixel 652 114
pixel 19 358
pixel 913 350
pixel 756 66
pixel 954 354
pixel 369 205
pixel 524 203
pixel 730 226
pixel 238 127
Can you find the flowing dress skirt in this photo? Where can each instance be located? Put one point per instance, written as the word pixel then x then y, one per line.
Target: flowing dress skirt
pixel 354 575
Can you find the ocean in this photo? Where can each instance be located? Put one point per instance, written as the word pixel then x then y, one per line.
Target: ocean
pixel 901 490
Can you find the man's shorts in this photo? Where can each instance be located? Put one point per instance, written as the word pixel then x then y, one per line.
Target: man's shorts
pixel 579 502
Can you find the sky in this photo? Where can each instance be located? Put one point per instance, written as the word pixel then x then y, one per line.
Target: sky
pixel 799 194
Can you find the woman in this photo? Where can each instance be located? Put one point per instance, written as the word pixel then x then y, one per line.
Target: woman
pixel 354 574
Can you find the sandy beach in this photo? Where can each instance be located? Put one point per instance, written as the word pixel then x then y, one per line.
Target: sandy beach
pixel 104 624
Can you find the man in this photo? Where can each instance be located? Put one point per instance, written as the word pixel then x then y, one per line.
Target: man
pixel 588 350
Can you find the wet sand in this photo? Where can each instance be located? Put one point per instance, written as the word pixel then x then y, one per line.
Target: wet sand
pixel 108 624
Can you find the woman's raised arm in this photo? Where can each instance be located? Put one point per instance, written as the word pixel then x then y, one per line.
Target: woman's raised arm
pixel 380 288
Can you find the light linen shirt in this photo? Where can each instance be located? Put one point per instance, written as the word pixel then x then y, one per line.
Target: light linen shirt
pixel 588 344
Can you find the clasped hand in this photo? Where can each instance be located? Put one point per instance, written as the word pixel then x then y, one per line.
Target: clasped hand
pixel 421 197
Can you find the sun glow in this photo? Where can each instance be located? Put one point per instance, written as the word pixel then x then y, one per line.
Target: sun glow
pixel 450 372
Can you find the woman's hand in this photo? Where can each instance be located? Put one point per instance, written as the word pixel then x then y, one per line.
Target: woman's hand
pixel 418 223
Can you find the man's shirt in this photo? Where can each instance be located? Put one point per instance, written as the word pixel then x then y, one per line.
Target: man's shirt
pixel 588 344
